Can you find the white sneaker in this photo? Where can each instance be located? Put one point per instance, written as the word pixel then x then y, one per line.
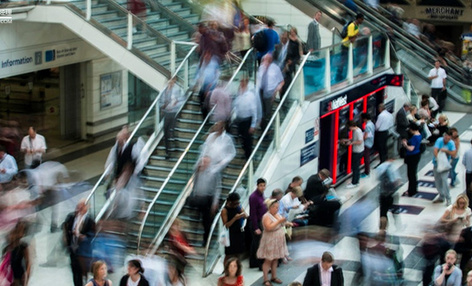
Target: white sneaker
pixel 352 186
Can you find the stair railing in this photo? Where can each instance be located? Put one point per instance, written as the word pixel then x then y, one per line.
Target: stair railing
pixel 151 119
pixel 174 211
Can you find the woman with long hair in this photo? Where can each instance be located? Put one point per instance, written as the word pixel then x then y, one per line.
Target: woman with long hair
pixel 233 277
pixel 273 245
pixel 458 212
pixel 100 271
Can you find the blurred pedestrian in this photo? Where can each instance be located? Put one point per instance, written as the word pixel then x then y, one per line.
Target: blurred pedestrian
pixel 220 98
pixel 206 79
pixel 79 229
pixel 324 273
pixel 272 246
pixel 467 162
pixel 179 245
pixel 99 271
pixel 8 167
pixel 34 146
pixel 219 147
pixel 233 217
pixel 134 277
pixel 390 181
pixel 232 273
pixel 171 101
pixel 18 252
pixel 269 82
pixel 245 108
pixel 271 38
pixel 138 8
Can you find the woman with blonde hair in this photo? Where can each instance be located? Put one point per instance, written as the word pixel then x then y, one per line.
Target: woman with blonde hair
pixel 458 212
pixel 273 245
pixel 100 271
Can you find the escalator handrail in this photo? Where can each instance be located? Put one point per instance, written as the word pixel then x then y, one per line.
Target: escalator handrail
pixel 399 32
pixel 382 27
pixel 171 173
pixel 173 213
pixel 405 34
pixel 449 79
pixel 150 109
pixel 246 166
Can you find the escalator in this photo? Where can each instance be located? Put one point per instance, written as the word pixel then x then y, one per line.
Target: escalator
pixel 415 57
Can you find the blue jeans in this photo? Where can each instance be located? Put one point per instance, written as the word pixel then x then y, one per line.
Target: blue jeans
pixel 453 172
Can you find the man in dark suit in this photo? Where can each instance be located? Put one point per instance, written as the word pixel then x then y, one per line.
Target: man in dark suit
pixel 79 230
pixel 325 273
pixel 313 41
pixel 402 122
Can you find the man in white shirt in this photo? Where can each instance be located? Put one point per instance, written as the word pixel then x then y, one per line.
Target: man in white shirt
pixel 34 146
pixel 245 109
pixel 438 76
pixel 8 167
pixel 269 82
pixel 290 202
pixel 325 273
pixel 171 101
pixel 382 127
pixel 357 143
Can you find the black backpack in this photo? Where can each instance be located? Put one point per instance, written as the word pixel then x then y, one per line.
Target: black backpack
pixel 344 30
pixel 260 41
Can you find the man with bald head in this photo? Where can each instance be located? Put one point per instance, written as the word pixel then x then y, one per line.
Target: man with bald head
pixel 34 146
pixel 79 230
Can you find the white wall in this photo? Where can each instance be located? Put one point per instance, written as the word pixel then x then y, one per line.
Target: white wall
pixel 284 13
pixel 288 164
pixel 94 69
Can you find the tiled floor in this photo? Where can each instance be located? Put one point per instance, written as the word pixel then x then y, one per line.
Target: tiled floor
pixel 345 248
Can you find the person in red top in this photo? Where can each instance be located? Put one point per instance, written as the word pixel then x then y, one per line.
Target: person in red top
pixel 233 277
pixel 178 244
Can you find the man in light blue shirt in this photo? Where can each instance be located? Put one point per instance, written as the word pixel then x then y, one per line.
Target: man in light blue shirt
pixel 446 145
pixel 369 133
pixel 8 167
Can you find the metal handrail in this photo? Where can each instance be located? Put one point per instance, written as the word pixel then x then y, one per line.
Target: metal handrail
pixel 171 173
pixel 449 80
pixel 150 109
pixel 404 34
pixel 249 161
pixel 171 214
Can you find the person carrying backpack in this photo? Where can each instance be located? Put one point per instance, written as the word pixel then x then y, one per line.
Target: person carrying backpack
pixel 349 33
pixel 265 40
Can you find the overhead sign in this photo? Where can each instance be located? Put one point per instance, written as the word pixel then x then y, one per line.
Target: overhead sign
pixel 28 59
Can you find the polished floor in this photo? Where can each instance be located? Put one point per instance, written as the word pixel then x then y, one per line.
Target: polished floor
pixel 89 161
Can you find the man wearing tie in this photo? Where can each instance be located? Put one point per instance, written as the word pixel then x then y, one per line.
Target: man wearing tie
pixel 79 229
pixel 325 273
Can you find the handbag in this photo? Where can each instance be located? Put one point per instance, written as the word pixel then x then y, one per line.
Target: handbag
pixel 224 237
pixel 443 163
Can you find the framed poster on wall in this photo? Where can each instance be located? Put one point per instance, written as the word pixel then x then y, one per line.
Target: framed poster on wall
pixel 110 90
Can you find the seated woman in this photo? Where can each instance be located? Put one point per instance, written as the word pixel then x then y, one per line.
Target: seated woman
pixel 439 128
pixel 458 212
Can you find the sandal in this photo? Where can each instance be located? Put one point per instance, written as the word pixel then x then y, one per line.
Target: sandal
pixel 267 283
pixel 276 280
